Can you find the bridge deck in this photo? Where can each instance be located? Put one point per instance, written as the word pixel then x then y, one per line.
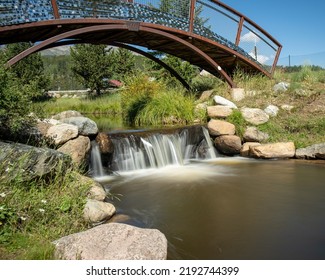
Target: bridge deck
pixel 206 33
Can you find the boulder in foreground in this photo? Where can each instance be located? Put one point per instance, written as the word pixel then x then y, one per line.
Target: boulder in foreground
pixel 113 241
pixel 275 150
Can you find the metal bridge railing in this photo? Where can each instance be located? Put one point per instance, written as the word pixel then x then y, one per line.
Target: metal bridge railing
pixel 208 18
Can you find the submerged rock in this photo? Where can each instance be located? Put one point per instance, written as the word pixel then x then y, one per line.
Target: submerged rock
pixel 113 241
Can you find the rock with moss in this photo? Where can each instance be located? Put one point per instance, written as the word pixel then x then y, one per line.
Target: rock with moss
pixel 32 162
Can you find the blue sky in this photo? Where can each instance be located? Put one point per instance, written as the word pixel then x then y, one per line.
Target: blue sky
pixel 298 25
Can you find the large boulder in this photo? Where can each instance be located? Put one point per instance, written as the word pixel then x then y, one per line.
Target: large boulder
pixel 219 111
pixel 218 127
pixel 245 150
pixel 86 126
pixel 61 133
pixel 228 144
pixel 98 211
pixel 32 162
pixel 316 151
pixel 252 134
pixel 254 116
pixel 78 149
pixel 113 241
pixel 274 150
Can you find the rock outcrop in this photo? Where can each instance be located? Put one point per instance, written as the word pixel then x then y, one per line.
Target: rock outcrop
pixel 274 150
pixel 113 241
pixel 33 162
pixel 316 151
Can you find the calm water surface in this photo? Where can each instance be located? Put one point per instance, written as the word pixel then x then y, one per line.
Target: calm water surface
pixel 230 208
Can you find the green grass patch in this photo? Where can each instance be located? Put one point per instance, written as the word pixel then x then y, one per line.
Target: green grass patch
pixel 107 104
pixel 36 212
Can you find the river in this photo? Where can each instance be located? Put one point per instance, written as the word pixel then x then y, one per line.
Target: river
pixel 228 207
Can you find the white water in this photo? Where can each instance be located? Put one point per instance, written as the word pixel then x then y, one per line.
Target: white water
pixel 159 150
pixel 96 161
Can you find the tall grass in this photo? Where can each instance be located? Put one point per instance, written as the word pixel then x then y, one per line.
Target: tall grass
pixel 147 102
pixel 35 212
pixel 107 104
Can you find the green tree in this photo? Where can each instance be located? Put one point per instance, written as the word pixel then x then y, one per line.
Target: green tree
pixel 15 103
pixel 30 70
pixel 91 64
pixel 96 64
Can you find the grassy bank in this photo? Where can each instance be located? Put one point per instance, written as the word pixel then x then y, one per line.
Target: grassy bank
pixel 34 213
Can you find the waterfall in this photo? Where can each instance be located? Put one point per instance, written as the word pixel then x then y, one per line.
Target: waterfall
pixel 96 166
pixel 157 150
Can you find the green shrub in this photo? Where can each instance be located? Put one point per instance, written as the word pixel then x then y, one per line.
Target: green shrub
pixel 167 107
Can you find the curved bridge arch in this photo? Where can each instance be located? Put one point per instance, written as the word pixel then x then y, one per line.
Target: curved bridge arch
pixel 188 30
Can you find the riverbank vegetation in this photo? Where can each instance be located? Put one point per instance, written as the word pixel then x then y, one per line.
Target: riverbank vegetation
pixel 36 212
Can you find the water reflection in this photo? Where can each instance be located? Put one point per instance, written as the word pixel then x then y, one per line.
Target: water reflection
pixel 231 208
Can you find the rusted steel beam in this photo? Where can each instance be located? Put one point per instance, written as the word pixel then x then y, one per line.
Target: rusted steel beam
pixel 239 30
pixel 203 55
pixel 97 28
pixel 276 59
pixel 55 9
pixel 192 15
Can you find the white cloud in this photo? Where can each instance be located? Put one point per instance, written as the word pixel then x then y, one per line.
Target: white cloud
pixel 250 37
pixel 260 57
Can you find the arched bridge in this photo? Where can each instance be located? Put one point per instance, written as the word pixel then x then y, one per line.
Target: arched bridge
pixel 206 33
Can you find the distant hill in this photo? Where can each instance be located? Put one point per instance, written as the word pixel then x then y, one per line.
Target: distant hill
pixel 57 51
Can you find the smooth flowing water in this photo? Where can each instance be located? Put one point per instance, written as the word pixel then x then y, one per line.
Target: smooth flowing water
pixel 228 208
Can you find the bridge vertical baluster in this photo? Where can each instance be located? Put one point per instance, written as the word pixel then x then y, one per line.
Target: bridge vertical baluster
pixel 192 15
pixel 240 28
pixel 55 9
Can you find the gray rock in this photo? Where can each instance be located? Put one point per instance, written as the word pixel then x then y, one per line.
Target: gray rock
pixel 113 241
pixel 228 144
pixel 254 116
pixel 275 150
pixel 62 133
pixel 281 87
pixel 316 151
pixel 78 149
pixel 32 162
pixel 86 126
pixel 272 110
pixel 98 211
pixel 218 127
pixel 219 100
pixel 252 134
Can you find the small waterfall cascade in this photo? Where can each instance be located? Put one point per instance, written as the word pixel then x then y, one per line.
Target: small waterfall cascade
pixel 157 150
pixel 96 166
